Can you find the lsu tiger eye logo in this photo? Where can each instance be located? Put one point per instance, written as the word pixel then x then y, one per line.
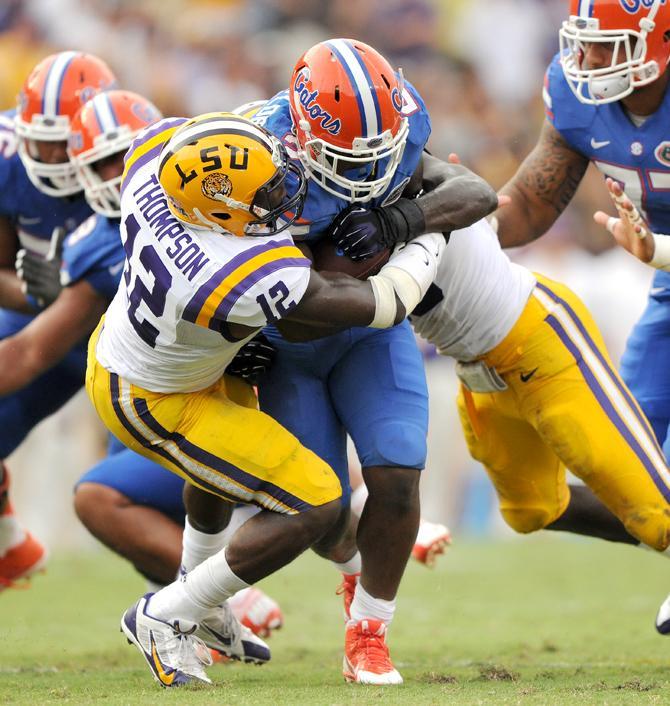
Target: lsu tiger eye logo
pixel 216 185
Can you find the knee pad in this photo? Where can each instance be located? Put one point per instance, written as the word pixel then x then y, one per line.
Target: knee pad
pixel 527 519
pixel 396 444
pixel 650 525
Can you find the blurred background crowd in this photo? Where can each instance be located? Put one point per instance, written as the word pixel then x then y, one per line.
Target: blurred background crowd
pixel 478 64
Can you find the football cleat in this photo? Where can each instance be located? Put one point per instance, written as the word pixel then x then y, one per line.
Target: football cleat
pixel 172 651
pixel 366 655
pixel 256 611
pixel 222 631
pixel 21 562
pixel 347 589
pixel 431 541
pixel 663 617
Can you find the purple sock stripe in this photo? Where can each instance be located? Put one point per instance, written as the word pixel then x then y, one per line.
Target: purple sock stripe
pixel 135 433
pixel 632 403
pixel 607 406
pixel 229 301
pixel 204 457
pixel 198 300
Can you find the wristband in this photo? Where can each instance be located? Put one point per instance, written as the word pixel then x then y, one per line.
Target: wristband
pixel 661 258
pixel 386 306
pixel 408 219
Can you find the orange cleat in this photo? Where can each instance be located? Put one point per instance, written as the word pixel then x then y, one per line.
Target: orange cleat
pixel 256 611
pixel 347 589
pixel 21 562
pixel 366 655
pixel 431 541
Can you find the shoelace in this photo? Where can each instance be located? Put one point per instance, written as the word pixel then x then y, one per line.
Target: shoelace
pixel 376 652
pixel 191 652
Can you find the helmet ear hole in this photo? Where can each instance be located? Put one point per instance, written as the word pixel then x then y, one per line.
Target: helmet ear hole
pixel 221 216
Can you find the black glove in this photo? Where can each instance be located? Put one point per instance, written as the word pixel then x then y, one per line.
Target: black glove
pixel 362 232
pixel 253 360
pixel 41 275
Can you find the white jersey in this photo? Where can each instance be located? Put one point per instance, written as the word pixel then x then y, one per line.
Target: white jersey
pixel 167 329
pixel 479 295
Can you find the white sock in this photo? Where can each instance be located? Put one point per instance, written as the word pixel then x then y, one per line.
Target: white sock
pixel 350 567
pixel 198 546
pixel 366 606
pixel 11 533
pixel 358 498
pixel 196 593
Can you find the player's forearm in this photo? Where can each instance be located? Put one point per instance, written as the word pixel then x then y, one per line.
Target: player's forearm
pixel 19 366
pixel 455 198
pixel 11 294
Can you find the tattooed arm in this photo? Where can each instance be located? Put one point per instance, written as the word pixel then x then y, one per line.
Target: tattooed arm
pixel 540 190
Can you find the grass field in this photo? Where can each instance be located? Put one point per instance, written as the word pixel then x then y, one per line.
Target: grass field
pixel 532 621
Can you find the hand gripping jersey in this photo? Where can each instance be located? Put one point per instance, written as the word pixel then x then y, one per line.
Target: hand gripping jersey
pixel 167 329
pixel 320 206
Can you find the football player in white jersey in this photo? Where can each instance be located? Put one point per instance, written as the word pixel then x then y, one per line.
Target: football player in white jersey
pixel 207 266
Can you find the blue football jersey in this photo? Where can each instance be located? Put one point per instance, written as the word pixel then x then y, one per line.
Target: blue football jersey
pixel 34 214
pixel 93 252
pixel 321 207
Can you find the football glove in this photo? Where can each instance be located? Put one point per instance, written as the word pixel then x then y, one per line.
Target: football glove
pixel 361 232
pixel 253 360
pixel 41 275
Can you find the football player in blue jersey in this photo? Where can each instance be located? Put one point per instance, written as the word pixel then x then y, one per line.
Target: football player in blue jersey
pixel 39 196
pixel 607 103
pixel 359 132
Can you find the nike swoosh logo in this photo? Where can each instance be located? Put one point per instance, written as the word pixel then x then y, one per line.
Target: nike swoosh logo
pixel 525 377
pixel 115 269
pixel 657 290
pixel 221 638
pixel 596 144
pixel 166 676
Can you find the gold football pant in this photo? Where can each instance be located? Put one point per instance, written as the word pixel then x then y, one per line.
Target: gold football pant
pixel 565 407
pixel 214 438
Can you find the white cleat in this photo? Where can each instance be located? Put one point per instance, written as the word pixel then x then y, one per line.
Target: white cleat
pixel 174 655
pixel 222 631
pixel 663 617
pixel 257 611
pixel 366 656
pixel 431 541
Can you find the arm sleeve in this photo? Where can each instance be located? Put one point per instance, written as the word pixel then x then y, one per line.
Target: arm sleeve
pixel 93 252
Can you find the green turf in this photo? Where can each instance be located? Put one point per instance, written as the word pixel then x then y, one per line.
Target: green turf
pixel 531 621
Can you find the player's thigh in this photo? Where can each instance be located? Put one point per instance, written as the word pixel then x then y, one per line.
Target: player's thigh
pixel 586 413
pixel 141 480
pixel 380 394
pixel 232 451
pixel 526 473
pixel 299 399
pixel 644 364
